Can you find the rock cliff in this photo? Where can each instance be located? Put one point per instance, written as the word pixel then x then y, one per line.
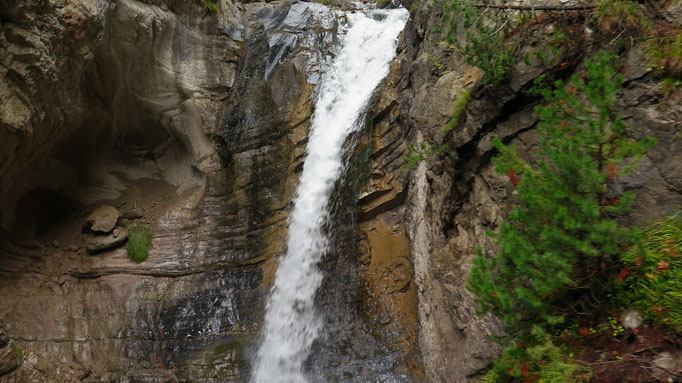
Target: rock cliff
pixel 190 121
pixel 446 204
pixel 195 123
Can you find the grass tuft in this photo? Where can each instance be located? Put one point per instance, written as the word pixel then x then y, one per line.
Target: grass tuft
pixel 139 243
pixel 620 15
pixel 457 108
pixel 663 50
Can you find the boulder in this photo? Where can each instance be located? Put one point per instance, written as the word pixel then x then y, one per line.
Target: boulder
pixel 103 219
pixel 673 14
pixel 631 319
pixel 99 242
pixel 665 363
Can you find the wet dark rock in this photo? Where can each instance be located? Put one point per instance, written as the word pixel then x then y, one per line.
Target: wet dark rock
pixel 9 358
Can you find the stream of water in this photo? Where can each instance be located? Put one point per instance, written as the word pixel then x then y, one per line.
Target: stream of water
pixel 291 321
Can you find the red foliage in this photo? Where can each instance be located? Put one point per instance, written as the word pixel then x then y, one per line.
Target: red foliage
pixel 612 201
pixel 524 370
pixel 623 273
pixel 511 173
pixel 612 172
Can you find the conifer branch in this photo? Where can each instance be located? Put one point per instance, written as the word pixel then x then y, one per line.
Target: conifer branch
pixel 538 8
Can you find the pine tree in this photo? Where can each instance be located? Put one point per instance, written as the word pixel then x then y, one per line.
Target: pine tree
pixel 559 247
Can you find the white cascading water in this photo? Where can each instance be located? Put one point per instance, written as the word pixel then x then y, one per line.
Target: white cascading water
pixel 291 323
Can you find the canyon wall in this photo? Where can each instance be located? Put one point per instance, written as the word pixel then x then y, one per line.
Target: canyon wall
pixel 195 123
pixel 190 121
pixel 439 212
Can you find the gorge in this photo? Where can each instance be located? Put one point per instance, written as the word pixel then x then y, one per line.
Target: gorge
pixel 199 120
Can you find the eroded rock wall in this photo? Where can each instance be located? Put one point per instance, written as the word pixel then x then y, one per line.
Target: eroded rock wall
pixel 192 122
pixel 446 204
pixel 195 123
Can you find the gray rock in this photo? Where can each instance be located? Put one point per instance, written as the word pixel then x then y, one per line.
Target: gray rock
pixel 103 219
pixel 631 319
pixel 636 65
pixel 665 362
pixel 674 13
pixel 99 242
pixel 9 358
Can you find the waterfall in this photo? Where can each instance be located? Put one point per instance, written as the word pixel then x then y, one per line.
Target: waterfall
pixel 291 322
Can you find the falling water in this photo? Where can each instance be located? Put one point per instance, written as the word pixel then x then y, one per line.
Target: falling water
pixel 291 323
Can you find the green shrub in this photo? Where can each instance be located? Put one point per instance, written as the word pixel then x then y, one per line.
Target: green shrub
pixel 440 68
pixel 561 245
pixel 139 243
pixel 211 5
pixel 488 44
pixel 652 273
pixel 487 50
pixel 422 152
pixel 543 362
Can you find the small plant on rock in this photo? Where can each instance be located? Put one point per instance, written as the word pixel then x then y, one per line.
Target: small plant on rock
pixel 422 152
pixel 457 108
pixel 620 15
pixel 211 5
pixel 139 243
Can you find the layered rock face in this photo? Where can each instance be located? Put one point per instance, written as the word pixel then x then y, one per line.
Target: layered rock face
pixel 445 205
pixel 195 123
pixel 186 120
